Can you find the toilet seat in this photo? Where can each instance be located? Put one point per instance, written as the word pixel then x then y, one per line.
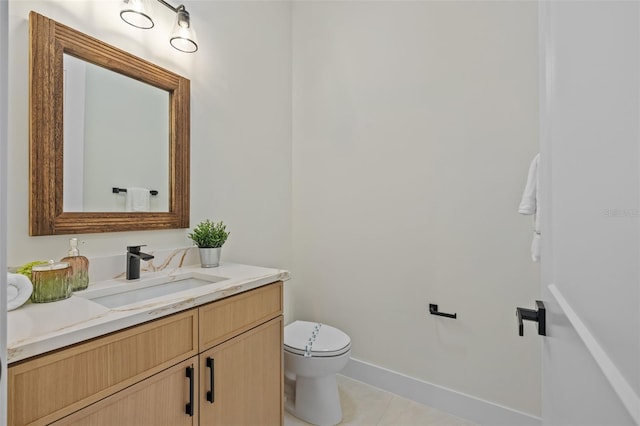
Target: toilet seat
pixel 312 339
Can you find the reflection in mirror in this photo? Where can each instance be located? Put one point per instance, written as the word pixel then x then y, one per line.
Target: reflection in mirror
pixel 116 134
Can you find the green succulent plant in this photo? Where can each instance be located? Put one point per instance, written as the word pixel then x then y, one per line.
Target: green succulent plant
pixel 208 234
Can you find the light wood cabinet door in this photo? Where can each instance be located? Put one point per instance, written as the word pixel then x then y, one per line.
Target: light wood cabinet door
pixel 247 379
pixel 162 399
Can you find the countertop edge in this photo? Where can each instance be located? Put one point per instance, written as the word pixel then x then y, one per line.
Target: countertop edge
pixel 113 320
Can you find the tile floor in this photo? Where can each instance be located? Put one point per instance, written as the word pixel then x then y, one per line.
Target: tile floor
pixel 365 405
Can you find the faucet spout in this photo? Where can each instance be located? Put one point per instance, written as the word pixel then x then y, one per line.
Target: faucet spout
pixel 133 261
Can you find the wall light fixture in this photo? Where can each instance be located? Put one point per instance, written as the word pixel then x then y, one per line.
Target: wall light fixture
pixel 183 37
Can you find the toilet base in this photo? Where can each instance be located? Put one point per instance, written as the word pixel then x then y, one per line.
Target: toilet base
pixel 316 400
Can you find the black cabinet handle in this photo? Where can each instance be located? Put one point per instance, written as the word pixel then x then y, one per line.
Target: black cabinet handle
pixel 210 366
pixel 189 407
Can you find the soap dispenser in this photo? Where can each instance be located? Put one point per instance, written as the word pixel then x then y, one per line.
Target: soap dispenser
pixel 79 267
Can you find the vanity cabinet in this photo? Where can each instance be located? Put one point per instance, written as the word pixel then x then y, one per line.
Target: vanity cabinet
pixel 150 373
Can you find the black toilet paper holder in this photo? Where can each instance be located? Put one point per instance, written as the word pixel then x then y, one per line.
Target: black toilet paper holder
pixel 433 310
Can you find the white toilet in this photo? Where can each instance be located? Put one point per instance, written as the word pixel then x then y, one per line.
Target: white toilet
pixel 313 354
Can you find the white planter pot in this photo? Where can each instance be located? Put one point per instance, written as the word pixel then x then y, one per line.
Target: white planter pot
pixel 210 257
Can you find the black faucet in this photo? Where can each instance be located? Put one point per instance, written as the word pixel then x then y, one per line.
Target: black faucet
pixel 133 261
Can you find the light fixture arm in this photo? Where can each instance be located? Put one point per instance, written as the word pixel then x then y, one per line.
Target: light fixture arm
pixel 175 9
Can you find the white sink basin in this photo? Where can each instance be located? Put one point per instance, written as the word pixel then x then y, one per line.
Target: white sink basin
pixel 128 293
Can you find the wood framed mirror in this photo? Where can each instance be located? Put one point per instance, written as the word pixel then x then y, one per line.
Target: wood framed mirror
pixel 50 42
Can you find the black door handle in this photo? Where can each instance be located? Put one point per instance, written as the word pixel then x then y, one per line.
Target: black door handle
pixel 538 316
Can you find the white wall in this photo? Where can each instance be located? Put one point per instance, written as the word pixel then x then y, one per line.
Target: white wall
pixel 240 123
pixel 414 125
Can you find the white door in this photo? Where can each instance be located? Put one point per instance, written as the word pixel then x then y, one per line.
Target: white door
pixel 4 59
pixel 590 54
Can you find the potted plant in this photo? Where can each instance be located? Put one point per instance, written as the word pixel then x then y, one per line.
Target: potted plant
pixel 209 237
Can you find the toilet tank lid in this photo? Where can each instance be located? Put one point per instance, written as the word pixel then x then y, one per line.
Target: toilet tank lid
pixel 319 337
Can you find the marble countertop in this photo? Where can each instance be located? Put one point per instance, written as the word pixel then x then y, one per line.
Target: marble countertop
pixel 36 328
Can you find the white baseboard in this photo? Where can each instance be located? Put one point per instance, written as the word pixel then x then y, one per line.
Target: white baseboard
pixel 456 403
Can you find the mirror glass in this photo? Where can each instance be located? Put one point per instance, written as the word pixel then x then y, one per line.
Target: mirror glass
pixel 116 135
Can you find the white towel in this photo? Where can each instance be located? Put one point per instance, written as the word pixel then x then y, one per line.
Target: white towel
pixel 18 291
pixel 137 200
pixel 530 205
